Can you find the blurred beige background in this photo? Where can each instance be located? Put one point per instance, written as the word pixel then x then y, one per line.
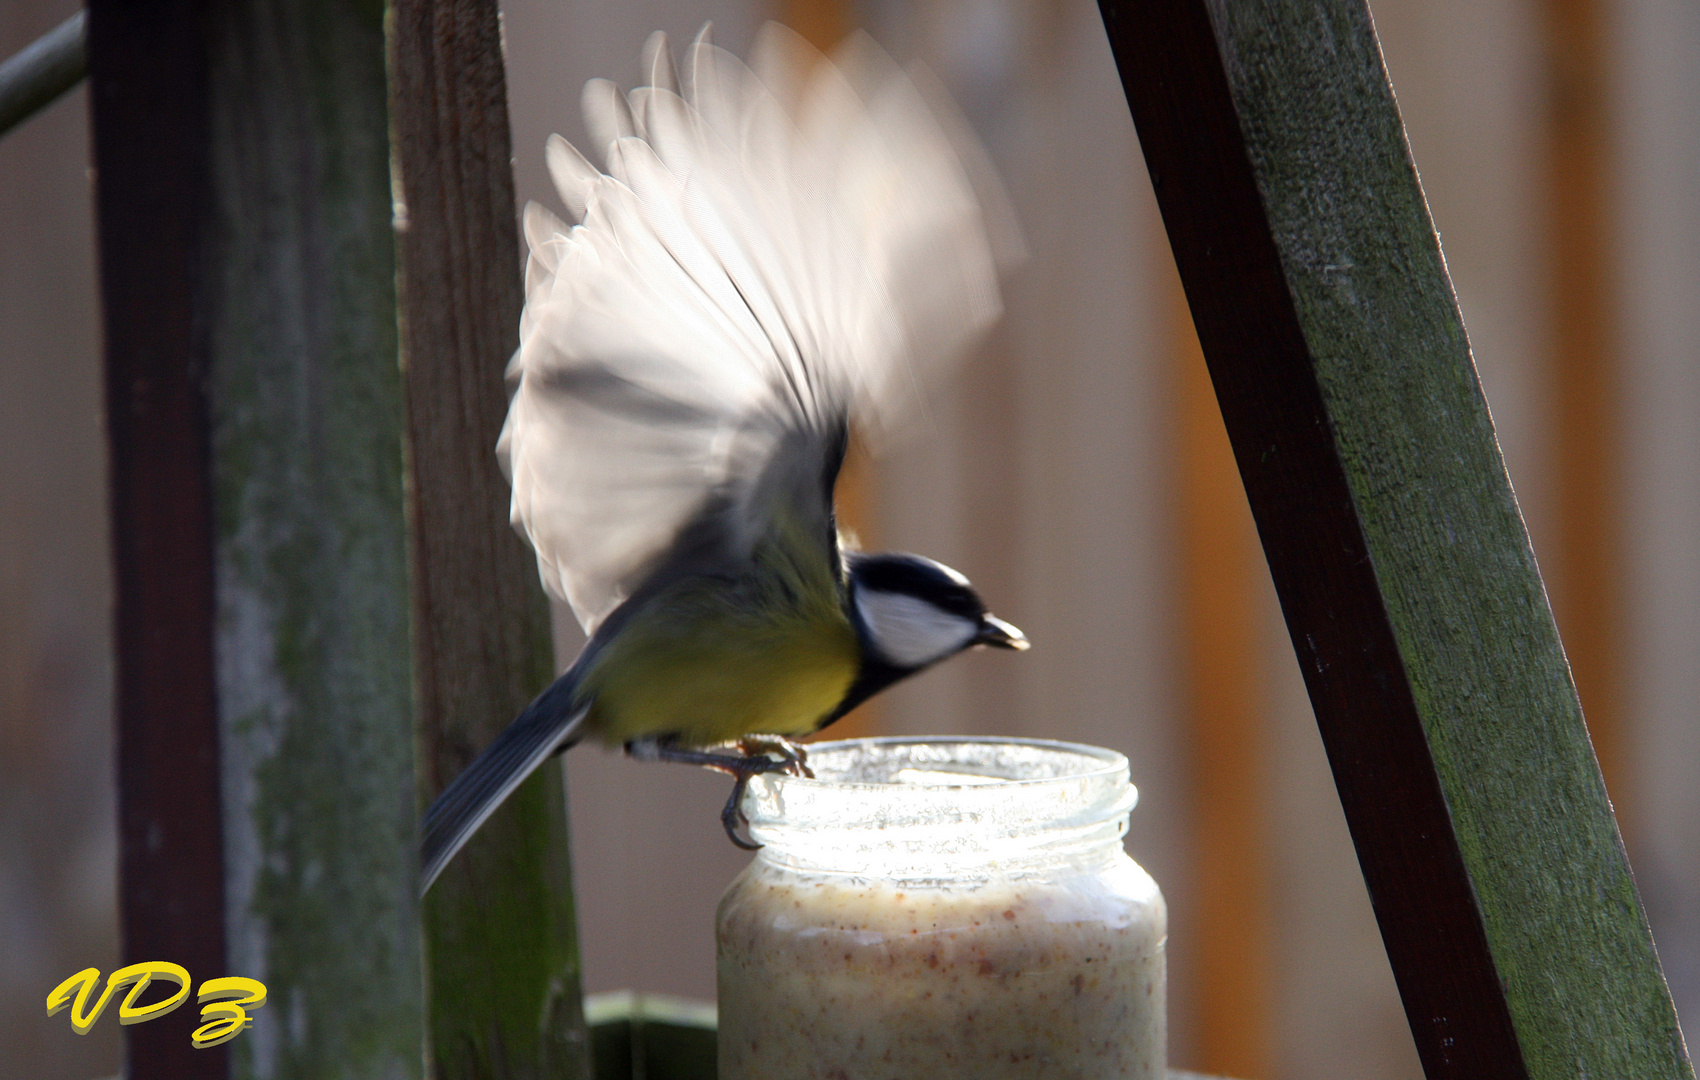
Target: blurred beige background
pixel 1075 471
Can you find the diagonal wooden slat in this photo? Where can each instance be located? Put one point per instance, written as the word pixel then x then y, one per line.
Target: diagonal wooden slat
pixel 1441 690
pixel 500 931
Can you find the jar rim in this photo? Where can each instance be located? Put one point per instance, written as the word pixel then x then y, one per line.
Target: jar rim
pixel 1109 762
pixel 966 800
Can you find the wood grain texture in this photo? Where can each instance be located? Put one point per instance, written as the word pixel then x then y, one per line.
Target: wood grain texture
pixel 255 417
pixel 148 99
pixel 1442 693
pixel 315 683
pixel 501 936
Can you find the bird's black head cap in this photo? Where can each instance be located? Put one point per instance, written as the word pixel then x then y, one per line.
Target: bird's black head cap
pixel 918 577
pixel 910 613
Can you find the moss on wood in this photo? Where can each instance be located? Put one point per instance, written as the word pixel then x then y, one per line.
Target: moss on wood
pixel 315 682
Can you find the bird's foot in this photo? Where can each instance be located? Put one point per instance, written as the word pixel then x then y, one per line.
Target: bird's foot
pixel 793 756
pixel 754 758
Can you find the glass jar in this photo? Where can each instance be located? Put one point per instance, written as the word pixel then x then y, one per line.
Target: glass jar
pixel 926 909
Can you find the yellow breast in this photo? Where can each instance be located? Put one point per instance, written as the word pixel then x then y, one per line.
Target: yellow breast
pixel 711 668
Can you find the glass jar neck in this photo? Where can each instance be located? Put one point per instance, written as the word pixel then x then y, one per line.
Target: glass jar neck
pixel 944 810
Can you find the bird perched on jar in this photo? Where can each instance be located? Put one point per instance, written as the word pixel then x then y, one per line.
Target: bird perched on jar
pixel 768 254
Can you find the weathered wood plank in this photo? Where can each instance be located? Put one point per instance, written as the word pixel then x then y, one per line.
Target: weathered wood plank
pixel 148 102
pixel 1414 604
pixel 315 682
pixel 500 931
pixel 244 185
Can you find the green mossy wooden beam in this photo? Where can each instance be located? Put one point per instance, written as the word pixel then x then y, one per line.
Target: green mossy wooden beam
pixel 315 683
pixel 500 933
pixel 256 418
pixel 1420 622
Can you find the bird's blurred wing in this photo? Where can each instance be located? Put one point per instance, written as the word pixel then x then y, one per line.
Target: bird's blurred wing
pixel 766 251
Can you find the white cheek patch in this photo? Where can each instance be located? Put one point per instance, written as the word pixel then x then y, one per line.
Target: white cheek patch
pixel 910 632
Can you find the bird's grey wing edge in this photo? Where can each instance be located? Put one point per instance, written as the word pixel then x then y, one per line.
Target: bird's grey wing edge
pixel 547 725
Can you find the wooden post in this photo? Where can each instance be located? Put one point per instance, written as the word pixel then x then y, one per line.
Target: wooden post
pixel 1341 365
pixel 255 418
pixel 500 932
pixel 148 100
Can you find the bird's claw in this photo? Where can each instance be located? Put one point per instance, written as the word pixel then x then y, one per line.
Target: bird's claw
pixel 756 756
pixel 732 814
pixel 756 761
pixel 792 756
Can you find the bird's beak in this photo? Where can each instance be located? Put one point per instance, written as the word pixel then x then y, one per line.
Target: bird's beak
pixel 999 634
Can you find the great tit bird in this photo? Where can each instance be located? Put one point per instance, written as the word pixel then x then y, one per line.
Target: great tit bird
pixel 768 253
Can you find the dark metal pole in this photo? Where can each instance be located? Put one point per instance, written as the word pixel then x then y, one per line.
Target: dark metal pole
pixel 33 78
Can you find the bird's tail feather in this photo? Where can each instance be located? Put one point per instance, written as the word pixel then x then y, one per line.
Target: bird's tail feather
pixel 547 725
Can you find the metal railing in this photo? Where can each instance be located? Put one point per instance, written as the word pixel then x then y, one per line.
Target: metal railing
pixel 38 74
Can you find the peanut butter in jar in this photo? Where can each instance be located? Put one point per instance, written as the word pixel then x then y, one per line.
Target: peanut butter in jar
pixel 939 909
